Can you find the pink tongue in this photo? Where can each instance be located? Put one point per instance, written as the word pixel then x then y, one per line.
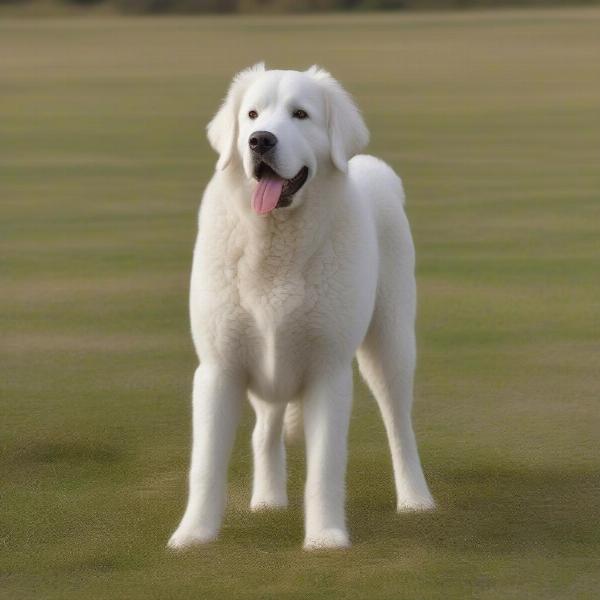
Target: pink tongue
pixel 267 193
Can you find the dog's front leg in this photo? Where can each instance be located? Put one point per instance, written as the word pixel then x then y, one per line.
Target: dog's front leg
pixel 217 400
pixel 327 407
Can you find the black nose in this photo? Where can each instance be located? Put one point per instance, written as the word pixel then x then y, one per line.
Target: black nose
pixel 262 141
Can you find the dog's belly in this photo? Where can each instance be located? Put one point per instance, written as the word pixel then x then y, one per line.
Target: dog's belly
pixel 278 313
pixel 276 361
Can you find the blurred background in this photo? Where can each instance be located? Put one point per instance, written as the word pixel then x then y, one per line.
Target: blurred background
pixel 273 6
pixel 490 116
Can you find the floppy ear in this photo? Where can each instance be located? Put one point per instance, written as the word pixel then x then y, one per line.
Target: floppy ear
pixel 222 130
pixel 348 133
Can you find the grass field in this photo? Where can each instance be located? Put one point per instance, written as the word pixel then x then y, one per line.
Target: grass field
pixel 491 118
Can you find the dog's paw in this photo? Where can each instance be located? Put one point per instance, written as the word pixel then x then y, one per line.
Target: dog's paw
pixel 415 504
pixel 268 503
pixel 186 538
pixel 327 539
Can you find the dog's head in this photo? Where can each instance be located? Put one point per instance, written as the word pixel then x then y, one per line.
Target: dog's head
pixel 284 128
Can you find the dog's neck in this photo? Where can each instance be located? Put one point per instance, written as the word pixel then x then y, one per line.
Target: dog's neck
pixel 292 234
pixel 269 258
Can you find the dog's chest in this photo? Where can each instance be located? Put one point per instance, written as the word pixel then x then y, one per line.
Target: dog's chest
pixel 269 277
pixel 270 291
pixel 261 303
pixel 277 301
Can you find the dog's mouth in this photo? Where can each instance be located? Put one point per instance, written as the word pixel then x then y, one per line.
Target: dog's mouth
pixel 274 191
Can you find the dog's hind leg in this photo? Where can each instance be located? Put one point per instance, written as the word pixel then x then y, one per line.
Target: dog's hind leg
pixel 269 480
pixel 386 360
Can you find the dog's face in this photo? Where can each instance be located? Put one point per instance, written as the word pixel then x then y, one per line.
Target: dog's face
pixel 285 128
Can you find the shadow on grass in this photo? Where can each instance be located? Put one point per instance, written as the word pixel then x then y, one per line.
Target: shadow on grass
pixel 485 509
pixel 62 461
pixel 265 531
pixel 491 509
pixel 77 451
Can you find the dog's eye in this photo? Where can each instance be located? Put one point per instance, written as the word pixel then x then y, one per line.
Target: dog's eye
pixel 253 114
pixel 300 114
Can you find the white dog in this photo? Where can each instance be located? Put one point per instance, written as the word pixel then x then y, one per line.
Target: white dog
pixel 304 258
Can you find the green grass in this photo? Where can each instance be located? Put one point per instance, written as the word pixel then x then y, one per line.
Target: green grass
pixel 491 118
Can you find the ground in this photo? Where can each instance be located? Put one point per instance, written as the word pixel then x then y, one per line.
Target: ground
pixel 492 120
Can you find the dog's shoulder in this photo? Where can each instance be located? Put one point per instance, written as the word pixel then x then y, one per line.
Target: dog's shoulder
pixel 374 177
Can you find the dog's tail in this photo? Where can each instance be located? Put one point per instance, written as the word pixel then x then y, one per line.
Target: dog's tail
pixel 292 422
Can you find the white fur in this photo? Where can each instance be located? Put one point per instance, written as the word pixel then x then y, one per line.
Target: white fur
pixel 281 303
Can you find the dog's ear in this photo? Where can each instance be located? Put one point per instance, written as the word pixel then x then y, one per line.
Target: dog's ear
pixel 222 130
pixel 348 133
